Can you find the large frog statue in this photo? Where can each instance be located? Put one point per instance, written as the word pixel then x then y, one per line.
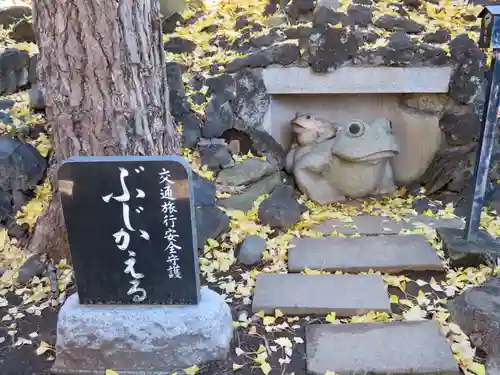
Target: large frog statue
pixel 333 161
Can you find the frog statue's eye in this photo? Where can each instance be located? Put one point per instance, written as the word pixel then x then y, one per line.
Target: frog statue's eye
pixel 356 129
pixel 308 117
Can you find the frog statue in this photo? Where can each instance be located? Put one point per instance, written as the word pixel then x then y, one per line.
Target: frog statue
pixel 333 161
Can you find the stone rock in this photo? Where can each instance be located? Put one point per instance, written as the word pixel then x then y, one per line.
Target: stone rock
pixel 393 23
pixel 204 191
pixel 23 32
pixel 21 165
pixel 302 6
pixel 333 4
pixel 331 49
pixel 360 15
pixel 5 206
pixel 222 85
pixel 245 173
pixel 215 157
pixel 432 55
pixel 145 339
pixel 251 250
pixel 210 223
pixel 179 45
pixel 467 80
pixel 170 24
pixel 430 103
pixel 284 53
pixel 477 312
pixel 241 22
pixel 492 365
pixel 32 74
pixel 191 129
pixel 299 32
pixel 419 138
pixel 6 104
pixel 6 118
pixel 196 82
pixel 366 36
pixel 324 15
pixel 460 129
pixel 280 210
pixel 174 78
pixel 14 65
pixel 271 7
pixel 17 231
pixel 197 98
pixel 170 7
pixel 264 144
pixel 33 266
pixel 219 117
pixel 245 200
pixel 414 3
pixel 252 99
pixel 266 39
pixel 13 14
pixel 440 36
pixel 36 98
pixel 259 59
pixel 399 40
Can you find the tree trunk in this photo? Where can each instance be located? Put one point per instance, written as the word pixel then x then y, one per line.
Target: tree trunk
pixel 102 73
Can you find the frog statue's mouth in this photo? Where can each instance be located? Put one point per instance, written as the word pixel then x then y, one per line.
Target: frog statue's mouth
pixel 377 156
pixel 372 158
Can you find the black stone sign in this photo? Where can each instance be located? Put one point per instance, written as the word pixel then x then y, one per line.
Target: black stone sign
pixel 131 229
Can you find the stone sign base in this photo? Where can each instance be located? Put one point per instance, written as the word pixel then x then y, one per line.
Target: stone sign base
pixel 462 253
pixel 133 340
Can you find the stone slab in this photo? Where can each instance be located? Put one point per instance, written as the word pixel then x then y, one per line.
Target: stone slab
pixel 299 294
pixel 477 312
pixel 370 225
pixel 358 80
pixel 416 347
pixel 360 254
pixel 138 340
pixel 462 253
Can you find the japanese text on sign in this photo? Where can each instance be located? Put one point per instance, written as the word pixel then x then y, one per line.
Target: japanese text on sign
pixel 169 211
pixel 122 236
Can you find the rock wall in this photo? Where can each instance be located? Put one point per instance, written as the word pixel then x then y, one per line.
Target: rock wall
pixel 440 132
pixel 223 106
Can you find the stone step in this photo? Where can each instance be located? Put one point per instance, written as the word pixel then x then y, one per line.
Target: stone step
pixel 370 225
pixel 389 254
pixel 299 294
pixel 416 347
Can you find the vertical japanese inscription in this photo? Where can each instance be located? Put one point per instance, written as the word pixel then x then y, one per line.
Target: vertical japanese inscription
pixel 169 212
pixel 131 229
pixel 122 236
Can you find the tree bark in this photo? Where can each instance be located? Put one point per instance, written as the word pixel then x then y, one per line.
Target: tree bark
pixel 102 73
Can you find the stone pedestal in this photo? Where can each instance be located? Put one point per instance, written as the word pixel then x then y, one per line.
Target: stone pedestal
pixel 463 253
pixel 138 340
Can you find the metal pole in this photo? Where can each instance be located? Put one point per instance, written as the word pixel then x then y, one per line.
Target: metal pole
pixel 484 150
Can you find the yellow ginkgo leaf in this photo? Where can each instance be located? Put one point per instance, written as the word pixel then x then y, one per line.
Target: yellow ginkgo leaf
pixel 266 368
pixel 111 372
pixel 192 370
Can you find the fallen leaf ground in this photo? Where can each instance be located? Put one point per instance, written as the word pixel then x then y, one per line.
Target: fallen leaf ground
pixel 262 344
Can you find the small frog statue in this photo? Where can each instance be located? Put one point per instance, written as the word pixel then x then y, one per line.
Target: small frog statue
pixel 332 161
